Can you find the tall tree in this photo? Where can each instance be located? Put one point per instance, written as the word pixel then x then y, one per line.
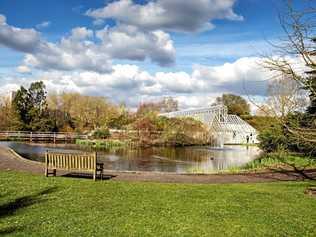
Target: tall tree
pixel 5 114
pixel 235 104
pixel 30 108
pixel 74 111
pixel 298 46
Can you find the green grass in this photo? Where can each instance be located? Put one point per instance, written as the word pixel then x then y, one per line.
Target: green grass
pixel 38 206
pixel 101 144
pixel 288 161
pixel 266 162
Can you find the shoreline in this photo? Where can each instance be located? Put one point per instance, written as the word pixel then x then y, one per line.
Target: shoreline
pixel 14 162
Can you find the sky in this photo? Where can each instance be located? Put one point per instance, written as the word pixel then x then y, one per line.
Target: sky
pixel 132 51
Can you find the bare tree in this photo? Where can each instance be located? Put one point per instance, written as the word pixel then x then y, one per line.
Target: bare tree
pixel 294 58
pixel 168 104
pixel 285 96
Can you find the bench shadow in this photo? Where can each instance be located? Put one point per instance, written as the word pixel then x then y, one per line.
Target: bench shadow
pixel 17 204
pixel 87 176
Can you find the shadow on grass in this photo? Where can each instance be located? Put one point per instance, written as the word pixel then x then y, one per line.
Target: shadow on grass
pixel 10 230
pixel 297 173
pixel 17 204
pixel 10 208
pixel 293 174
pixel 87 176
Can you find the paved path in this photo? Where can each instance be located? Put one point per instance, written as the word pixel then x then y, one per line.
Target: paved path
pixel 11 161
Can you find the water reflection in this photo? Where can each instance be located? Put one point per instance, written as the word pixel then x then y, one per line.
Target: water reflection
pixel 181 159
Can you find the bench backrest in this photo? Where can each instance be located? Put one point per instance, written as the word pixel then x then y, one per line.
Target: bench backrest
pixel 70 161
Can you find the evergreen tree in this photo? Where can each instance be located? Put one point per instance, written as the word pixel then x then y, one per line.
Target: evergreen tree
pixel 30 109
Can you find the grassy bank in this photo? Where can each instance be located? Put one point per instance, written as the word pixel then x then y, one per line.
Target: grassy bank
pixel 102 144
pixel 266 162
pixel 38 206
pixel 275 161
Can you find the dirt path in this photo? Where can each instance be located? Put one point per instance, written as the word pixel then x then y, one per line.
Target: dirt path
pixel 11 161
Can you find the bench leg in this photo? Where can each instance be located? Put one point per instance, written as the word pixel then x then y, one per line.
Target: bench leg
pixel 94 176
pixel 48 172
pixel 101 174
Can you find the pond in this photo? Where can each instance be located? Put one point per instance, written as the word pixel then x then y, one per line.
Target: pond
pixel 161 159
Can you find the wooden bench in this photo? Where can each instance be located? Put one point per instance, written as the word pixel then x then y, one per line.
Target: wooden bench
pixel 73 162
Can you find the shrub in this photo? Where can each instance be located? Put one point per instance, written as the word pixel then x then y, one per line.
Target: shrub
pixel 272 138
pixel 101 133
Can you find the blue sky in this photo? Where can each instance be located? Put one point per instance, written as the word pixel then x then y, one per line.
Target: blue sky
pixel 191 52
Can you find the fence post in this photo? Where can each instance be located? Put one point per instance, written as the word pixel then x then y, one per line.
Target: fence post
pixel 30 136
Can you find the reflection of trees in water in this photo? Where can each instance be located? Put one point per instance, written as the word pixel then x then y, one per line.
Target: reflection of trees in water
pixel 167 159
pixel 227 158
pixel 184 154
pixel 181 159
pixel 140 159
pixel 173 154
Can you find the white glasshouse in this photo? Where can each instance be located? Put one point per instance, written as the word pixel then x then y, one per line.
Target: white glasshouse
pixel 224 128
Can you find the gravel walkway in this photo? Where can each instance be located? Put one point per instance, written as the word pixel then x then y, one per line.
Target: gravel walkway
pixel 9 160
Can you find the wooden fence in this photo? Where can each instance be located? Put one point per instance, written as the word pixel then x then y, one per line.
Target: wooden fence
pixel 40 136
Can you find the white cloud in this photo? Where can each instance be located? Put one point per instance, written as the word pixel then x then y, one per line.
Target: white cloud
pixel 87 50
pixel 24 40
pixel 75 52
pixel 81 33
pixel 130 84
pixel 128 42
pixel 244 76
pixel 3 19
pixel 180 82
pixel 23 69
pixel 175 15
pixel 43 25
pixel 98 22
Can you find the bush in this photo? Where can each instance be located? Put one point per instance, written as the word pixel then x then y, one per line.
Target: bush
pixel 277 136
pixel 272 138
pixel 101 133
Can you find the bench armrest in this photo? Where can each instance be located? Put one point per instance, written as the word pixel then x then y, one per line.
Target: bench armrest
pixel 100 165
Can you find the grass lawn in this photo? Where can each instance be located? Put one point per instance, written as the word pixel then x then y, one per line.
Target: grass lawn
pixel 38 206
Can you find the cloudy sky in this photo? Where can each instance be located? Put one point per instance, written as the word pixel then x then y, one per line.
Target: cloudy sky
pixel 136 50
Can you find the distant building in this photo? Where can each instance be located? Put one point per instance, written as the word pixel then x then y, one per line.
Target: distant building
pixel 224 128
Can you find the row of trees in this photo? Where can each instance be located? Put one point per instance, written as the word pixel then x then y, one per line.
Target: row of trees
pixel 33 110
pixel 167 104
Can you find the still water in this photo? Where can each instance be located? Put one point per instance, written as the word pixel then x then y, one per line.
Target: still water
pixel 180 160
